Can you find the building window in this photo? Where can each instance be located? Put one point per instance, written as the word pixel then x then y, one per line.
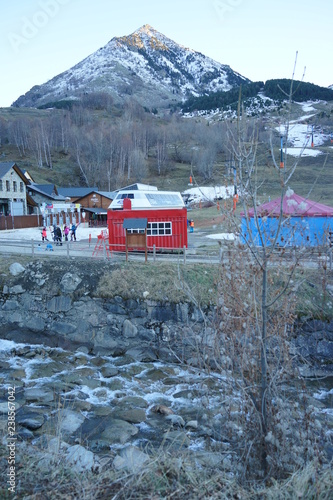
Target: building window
pixel 21 187
pixel 159 228
pixel 14 186
pixel 135 231
pixel 7 186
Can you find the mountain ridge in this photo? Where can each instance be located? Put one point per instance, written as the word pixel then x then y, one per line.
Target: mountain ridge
pixel 146 64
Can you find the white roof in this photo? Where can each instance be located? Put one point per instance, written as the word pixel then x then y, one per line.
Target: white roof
pixel 148 199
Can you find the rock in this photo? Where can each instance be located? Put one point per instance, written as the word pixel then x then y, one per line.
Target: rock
pixel 39 395
pixel 16 268
pixel 109 371
pixel 80 458
pixel 69 282
pixel 16 289
pixel 162 409
pixel 129 329
pixel 11 305
pixel 130 458
pixel 35 324
pixel 177 439
pixel 25 434
pixel 118 431
pixel 60 303
pixel 132 415
pixel 155 374
pixel 55 445
pixel 133 402
pixel 176 420
pixel 63 328
pixel 191 424
pixel 141 354
pixel 68 421
pixel 30 420
pixel 83 349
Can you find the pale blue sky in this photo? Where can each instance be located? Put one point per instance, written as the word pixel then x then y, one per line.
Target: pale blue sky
pixel 257 38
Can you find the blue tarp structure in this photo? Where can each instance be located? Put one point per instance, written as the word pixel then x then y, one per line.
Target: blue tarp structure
pixel 304 222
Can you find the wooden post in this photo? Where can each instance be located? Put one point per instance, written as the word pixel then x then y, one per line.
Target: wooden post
pixel 184 254
pixel 154 252
pixel 146 251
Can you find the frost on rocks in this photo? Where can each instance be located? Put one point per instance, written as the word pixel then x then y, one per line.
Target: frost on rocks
pixel 80 458
pixel 16 268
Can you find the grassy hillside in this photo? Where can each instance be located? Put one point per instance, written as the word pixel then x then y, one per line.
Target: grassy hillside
pixel 314 175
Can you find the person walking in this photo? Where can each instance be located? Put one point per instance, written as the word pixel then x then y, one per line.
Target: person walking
pixel 66 232
pixel 191 226
pixel 44 234
pixel 58 235
pixel 73 232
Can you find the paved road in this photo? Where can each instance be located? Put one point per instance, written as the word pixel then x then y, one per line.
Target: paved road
pixel 200 249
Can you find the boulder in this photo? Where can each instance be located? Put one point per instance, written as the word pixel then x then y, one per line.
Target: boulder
pixel 130 458
pixel 69 282
pixel 16 268
pixel 118 431
pixel 80 458
pixel 132 415
pixel 30 420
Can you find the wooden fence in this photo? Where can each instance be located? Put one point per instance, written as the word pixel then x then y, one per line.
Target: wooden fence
pixel 20 221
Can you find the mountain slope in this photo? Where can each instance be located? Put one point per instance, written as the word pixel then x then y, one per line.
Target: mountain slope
pixel 146 64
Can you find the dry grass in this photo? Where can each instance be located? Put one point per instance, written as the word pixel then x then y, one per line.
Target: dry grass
pixel 162 281
pixel 167 475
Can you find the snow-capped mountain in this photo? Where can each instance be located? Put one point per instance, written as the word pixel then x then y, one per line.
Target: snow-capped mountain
pixel 147 65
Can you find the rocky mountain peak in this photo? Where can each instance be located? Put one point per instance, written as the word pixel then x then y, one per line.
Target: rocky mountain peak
pixel 146 65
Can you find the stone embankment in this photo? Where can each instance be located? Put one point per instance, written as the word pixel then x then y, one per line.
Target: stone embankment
pixel 55 304
pixel 105 371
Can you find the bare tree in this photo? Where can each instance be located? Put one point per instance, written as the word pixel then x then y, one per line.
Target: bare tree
pixel 255 318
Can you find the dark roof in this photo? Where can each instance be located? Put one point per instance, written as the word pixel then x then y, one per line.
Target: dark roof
pixel 48 190
pixel 135 223
pixel 108 194
pixel 76 192
pixel 5 166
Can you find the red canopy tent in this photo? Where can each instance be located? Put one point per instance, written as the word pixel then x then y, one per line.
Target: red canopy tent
pixel 293 205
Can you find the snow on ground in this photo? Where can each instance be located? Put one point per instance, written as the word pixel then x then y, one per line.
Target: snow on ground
pixel 222 236
pixel 307 107
pixel 34 233
pixel 303 152
pixel 300 135
pixel 209 193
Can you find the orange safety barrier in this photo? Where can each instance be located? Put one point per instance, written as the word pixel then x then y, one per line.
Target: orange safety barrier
pixel 102 244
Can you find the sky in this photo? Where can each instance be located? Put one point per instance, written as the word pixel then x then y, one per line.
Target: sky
pixel 259 39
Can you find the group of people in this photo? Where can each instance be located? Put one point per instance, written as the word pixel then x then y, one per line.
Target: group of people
pixel 57 234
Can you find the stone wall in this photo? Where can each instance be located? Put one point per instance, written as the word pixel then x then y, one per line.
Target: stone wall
pixel 54 304
pixel 59 309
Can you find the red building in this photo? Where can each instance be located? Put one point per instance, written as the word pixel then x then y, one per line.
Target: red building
pixel 163 212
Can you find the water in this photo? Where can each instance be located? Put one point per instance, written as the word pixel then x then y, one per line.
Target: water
pixel 77 381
